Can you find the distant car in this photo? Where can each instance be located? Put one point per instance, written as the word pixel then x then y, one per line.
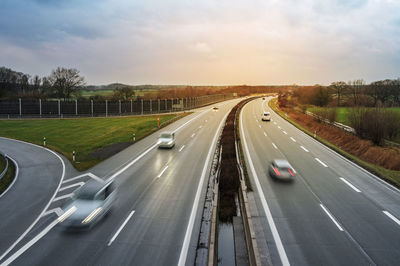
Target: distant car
pixel 266 116
pixel 215 109
pixel 90 204
pixel 263 98
pixel 281 169
pixel 166 140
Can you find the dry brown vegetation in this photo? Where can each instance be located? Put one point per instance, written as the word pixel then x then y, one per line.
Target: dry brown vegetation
pixel 387 157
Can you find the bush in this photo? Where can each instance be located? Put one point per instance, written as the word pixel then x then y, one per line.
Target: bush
pixel 331 114
pixel 374 124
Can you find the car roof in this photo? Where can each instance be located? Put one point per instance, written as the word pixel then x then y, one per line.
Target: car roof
pixel 167 132
pixel 266 113
pixel 91 187
pixel 282 163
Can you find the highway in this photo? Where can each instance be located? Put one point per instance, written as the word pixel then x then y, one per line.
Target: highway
pixel 334 213
pixel 157 216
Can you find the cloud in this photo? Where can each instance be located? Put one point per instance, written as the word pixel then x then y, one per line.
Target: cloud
pixel 197 42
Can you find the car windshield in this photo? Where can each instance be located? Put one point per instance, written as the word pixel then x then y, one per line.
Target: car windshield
pixel 85 195
pixel 166 136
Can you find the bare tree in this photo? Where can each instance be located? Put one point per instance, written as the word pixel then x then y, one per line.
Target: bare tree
pixel 356 88
pixel 66 82
pixel 124 93
pixel 338 88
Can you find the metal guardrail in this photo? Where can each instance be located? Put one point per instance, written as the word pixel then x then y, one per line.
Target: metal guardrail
pixel 5 168
pixel 336 124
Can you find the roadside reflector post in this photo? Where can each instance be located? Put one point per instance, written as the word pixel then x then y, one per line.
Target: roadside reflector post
pixel 44 141
pixel 315 133
pixel 73 156
pixel 134 137
pixel 158 122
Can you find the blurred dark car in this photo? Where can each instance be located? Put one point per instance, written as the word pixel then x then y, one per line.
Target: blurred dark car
pixel 215 109
pixel 90 204
pixel 281 169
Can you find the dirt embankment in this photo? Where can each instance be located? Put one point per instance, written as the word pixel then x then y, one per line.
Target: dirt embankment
pixel 387 157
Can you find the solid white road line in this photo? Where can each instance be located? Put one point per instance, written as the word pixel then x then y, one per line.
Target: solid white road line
pixel 162 171
pixel 279 127
pixel 350 185
pixel 57 211
pixel 273 144
pixel 120 228
pixel 284 132
pixel 189 229
pixel 63 197
pixel 265 134
pixel 318 160
pixel 200 127
pixel 47 205
pixel 181 148
pixel 95 177
pixel 292 139
pixel 304 148
pixel 259 126
pixel 271 223
pixel 388 214
pixel 38 237
pixel 332 218
pixel 71 186
pixel 193 135
pixel 15 177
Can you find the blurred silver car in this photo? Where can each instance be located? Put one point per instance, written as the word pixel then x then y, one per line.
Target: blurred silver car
pixel 266 116
pixel 281 169
pixel 166 140
pixel 89 204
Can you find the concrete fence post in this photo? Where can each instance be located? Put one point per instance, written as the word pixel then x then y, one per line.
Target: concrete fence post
pixel 91 106
pixel 119 102
pixel 158 105
pixel 20 107
pixel 151 107
pixel 106 108
pixel 40 107
pixel 59 107
pixel 166 105
pixel 131 107
pixel 142 106
pixel 76 107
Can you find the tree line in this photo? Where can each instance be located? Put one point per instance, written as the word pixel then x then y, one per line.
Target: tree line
pixel 385 93
pixel 62 83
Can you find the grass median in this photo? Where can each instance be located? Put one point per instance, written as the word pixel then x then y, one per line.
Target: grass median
pixel 8 177
pixel 391 176
pixel 92 139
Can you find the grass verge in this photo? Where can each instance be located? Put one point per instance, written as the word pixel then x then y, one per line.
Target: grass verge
pixel 93 139
pixel 390 176
pixel 8 177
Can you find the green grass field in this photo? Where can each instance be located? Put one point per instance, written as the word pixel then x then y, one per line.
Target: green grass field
pixel 90 93
pixel 389 175
pixel 82 135
pixel 343 112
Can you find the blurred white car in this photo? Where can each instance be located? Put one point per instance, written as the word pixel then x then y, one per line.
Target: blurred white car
pixel 266 116
pixel 89 204
pixel 166 140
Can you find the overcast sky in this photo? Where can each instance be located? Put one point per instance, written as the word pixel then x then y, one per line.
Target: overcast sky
pixel 205 41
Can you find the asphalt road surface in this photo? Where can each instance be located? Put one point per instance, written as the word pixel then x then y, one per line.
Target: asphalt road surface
pixel 156 219
pixel 334 213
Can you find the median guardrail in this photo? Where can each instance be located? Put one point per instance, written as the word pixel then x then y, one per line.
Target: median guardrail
pixel 3 173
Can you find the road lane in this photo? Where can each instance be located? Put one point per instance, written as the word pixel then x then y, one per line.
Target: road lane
pixel 368 235
pixel 162 205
